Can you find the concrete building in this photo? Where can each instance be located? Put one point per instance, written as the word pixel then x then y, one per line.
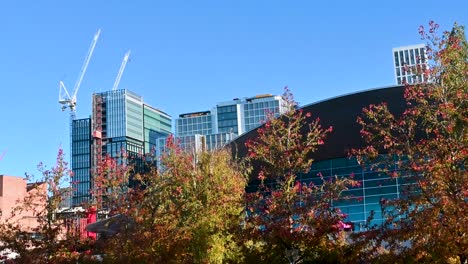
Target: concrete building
pixel 406 59
pixel 121 122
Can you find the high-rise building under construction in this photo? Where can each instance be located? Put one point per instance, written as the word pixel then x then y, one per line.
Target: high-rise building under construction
pixel 120 123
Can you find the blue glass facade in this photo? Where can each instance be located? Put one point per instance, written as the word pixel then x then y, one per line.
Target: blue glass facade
pixel 374 188
pixel 81 159
pixel 216 141
pixel 198 123
pixel 230 118
pixel 124 113
pixel 120 122
pixel 365 199
pixel 195 143
pixel 157 124
pixel 228 121
pixel 257 111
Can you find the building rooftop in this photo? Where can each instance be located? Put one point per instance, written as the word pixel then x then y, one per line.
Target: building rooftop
pixel 194 114
pixel 421 45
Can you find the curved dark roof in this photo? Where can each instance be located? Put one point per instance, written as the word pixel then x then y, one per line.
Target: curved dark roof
pixel 341 113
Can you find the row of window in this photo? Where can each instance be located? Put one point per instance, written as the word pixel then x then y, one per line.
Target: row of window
pixel 227 116
pixel 116 120
pixel 225 123
pixel 234 130
pixel 80 161
pixel 116 149
pixel 254 121
pixel 77 200
pixel 81 175
pixel 81 188
pixel 217 141
pixel 149 122
pixel 410 79
pixel 261 112
pixel 193 120
pixel 148 112
pixel 227 109
pixel 408 71
pixel 410 57
pixel 81 129
pixel 194 129
pixel 365 199
pixel 81 147
pixel 261 105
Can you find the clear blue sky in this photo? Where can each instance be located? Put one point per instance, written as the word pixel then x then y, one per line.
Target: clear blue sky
pixel 188 55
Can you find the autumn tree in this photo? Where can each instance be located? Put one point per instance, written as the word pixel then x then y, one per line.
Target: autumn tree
pixel 289 220
pixel 47 238
pixel 184 212
pixel 426 148
pixel 111 191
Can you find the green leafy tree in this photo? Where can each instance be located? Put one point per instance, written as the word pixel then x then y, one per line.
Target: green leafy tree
pixel 287 219
pixel 186 212
pixel 428 142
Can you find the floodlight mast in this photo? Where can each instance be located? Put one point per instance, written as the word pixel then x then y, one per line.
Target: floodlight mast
pixel 121 70
pixel 65 99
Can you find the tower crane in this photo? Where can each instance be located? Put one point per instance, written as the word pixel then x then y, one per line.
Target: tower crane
pixel 121 70
pixel 67 100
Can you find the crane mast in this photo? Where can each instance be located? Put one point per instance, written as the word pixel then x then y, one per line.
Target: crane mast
pixel 121 70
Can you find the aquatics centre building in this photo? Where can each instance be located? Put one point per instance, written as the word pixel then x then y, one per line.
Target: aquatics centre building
pixel 331 159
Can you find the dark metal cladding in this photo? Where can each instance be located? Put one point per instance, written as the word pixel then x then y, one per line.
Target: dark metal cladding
pixel 340 113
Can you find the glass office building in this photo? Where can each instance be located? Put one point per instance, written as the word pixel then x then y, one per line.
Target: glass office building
pixel 216 141
pixel 257 109
pixel 405 60
pixel 241 115
pixel 157 124
pixel 231 118
pixel 226 121
pixel 190 144
pixel 194 123
pixel 120 122
pixel 81 159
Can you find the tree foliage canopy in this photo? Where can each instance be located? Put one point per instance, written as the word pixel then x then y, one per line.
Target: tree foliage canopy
pixel 429 144
pixel 287 219
pixel 194 208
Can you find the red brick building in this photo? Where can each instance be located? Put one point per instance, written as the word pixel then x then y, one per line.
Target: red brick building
pixel 13 191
